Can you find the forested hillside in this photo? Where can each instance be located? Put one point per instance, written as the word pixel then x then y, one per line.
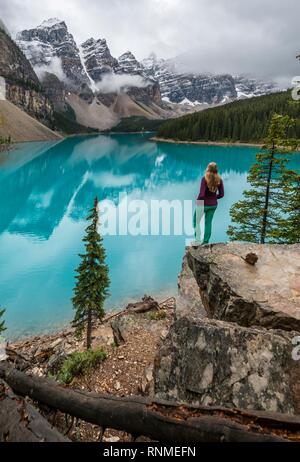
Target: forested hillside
pixel 244 121
pixel 137 124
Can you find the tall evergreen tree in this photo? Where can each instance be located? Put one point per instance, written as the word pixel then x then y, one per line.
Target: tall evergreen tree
pixel 289 231
pixel 93 281
pixel 2 323
pixel 257 217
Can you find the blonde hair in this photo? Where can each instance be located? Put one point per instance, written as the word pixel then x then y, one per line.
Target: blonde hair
pixel 212 177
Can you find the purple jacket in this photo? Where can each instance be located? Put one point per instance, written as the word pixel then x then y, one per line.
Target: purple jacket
pixel 210 198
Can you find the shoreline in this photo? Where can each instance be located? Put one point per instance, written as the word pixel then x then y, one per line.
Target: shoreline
pixel 205 143
pixel 66 329
pixel 154 138
pixel 65 136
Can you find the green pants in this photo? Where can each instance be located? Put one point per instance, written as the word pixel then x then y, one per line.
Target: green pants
pixel 208 211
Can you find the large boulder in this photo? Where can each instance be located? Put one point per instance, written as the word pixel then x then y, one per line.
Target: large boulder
pixel 188 302
pixel 264 294
pixel 209 362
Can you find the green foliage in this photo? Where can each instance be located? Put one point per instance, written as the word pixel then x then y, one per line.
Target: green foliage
pixel 258 217
pixel 78 363
pixel 92 277
pixel 289 201
pixel 5 141
pixel 2 323
pixel 243 121
pixel 157 315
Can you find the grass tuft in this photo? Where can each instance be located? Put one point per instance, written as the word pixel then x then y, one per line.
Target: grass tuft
pixel 78 363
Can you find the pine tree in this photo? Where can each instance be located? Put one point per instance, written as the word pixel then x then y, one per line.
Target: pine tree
pixel 289 231
pixel 258 216
pixel 93 281
pixel 2 323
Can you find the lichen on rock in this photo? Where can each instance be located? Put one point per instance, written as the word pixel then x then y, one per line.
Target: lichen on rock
pixel 211 362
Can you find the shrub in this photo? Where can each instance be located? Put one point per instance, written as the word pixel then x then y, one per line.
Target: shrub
pixel 157 315
pixel 79 362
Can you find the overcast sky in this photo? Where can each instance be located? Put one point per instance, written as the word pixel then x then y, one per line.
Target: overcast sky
pixel 237 36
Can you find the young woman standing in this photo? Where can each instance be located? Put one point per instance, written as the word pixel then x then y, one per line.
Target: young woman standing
pixel 212 189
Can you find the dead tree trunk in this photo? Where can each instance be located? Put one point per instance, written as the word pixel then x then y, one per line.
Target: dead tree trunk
pixel 147 304
pixel 160 421
pixel 21 422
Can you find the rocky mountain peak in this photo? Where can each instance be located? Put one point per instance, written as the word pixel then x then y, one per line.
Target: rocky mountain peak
pixel 52 22
pixel 128 64
pixel 97 58
pixel 178 86
pixel 53 32
pixel 151 62
pixel 51 46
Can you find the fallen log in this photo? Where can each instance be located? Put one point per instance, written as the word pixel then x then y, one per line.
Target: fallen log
pixel 160 421
pixel 21 422
pixel 147 304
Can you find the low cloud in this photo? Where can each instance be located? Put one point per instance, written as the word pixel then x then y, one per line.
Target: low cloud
pixel 54 67
pixel 115 83
pixel 260 37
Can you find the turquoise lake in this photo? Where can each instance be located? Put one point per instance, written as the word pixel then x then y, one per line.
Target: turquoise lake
pixel 46 191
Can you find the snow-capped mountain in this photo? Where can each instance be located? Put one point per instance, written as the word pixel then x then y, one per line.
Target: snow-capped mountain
pixel 128 64
pixel 247 87
pixel 51 47
pixel 193 89
pixel 97 58
pixel 178 87
pixel 101 88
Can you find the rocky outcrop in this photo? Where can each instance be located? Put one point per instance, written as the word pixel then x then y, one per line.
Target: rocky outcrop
pixel 14 66
pixel 31 101
pixel 148 90
pixel 188 302
pixel 242 354
pixel 22 86
pixel 50 45
pixel 97 58
pixel 55 90
pixel 267 294
pixel 147 95
pixel 219 363
pixel 128 64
